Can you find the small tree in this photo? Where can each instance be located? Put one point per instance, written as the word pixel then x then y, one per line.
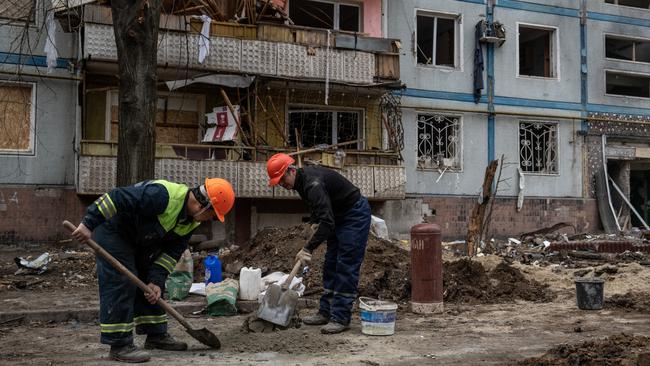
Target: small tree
pixel 136 35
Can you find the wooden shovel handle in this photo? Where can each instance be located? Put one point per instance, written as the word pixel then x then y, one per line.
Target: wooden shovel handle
pixel 133 278
pixel 295 269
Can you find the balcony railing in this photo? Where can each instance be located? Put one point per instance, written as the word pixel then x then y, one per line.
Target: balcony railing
pixel 98 166
pixel 263 49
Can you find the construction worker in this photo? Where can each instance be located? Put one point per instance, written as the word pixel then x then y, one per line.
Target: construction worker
pixel 342 216
pixel 146 227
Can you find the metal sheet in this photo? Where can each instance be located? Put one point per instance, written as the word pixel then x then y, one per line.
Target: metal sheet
pixel 362 177
pixel 259 57
pixel 254 181
pixel 96 174
pixel 390 181
pixel 181 171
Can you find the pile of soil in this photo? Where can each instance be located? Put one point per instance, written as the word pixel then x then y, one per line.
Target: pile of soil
pixel 620 349
pixel 466 281
pixel 384 274
pixel 631 301
pixel 69 268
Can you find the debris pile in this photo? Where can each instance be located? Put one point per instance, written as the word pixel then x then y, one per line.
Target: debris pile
pixel 384 274
pixel 466 281
pixel 631 301
pixel 620 349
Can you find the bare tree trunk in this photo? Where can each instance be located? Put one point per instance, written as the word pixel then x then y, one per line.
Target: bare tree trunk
pixel 478 213
pixel 136 35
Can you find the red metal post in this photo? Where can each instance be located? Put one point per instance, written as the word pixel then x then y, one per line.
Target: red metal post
pixel 426 269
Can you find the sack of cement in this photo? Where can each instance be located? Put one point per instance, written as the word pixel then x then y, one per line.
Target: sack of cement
pixel 378 228
pixel 179 282
pixel 222 297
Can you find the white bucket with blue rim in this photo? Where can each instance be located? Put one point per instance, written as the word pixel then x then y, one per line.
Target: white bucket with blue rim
pixel 377 316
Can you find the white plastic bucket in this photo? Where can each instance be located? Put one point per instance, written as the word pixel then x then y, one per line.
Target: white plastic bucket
pixel 377 316
pixel 250 283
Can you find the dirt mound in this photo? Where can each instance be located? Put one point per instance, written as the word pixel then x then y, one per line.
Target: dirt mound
pixel 466 281
pixel 631 301
pixel 620 349
pixel 384 273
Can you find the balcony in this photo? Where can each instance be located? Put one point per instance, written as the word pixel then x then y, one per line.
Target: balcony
pixel 280 51
pixel 97 169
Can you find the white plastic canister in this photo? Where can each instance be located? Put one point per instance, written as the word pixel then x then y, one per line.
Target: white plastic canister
pixel 250 283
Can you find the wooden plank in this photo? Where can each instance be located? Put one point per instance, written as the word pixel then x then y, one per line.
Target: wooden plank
pixel 275 33
pixel 368 44
pixel 15 116
pixel 312 37
pixel 387 66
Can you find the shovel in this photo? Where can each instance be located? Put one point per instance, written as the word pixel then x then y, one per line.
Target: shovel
pixel 279 303
pixel 202 335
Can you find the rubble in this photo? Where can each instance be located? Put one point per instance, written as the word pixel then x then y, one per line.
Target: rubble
pixel 619 349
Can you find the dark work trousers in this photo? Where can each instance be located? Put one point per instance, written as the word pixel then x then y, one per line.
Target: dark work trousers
pixel 345 251
pixel 122 305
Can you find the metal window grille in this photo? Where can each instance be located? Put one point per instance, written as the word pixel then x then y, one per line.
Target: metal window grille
pixel 438 141
pixel 538 147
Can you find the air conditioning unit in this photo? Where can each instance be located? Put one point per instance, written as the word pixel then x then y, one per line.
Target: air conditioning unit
pixel 492 32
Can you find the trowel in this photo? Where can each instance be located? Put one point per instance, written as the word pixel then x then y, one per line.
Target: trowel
pixel 279 302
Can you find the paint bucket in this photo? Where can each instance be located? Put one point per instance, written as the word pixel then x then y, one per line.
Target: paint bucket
pixel 589 293
pixel 377 316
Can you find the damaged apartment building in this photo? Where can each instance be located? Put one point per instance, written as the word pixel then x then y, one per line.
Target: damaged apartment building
pixel 409 99
pixel 238 82
pixel 560 89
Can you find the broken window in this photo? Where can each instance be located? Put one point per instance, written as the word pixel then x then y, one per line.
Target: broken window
pixel 538 147
pixel 17 118
pixel 17 9
pixel 438 141
pixel 627 49
pixel 536 52
pixel 323 127
pixel 628 84
pixel 644 4
pixel 436 40
pixel 321 14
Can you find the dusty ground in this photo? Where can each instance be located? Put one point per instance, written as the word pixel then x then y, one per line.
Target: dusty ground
pixel 496 313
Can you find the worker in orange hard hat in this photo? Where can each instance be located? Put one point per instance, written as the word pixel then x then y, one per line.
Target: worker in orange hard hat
pixel 146 227
pixel 342 216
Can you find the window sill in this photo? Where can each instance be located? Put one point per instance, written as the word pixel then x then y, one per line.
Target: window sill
pixel 439 67
pixel 630 62
pixel 544 78
pixel 644 99
pixel 542 174
pixel 436 170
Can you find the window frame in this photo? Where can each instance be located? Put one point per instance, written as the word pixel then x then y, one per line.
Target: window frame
pixel 31 150
pixel 361 130
pixel 557 144
pixel 624 6
pixel 627 38
pixel 337 13
pixel 458 38
pixel 446 114
pixel 607 70
pixel 555 51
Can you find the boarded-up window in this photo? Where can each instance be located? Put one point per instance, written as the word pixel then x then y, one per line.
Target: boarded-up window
pixel 17 9
pixel 177 118
pixel 16 108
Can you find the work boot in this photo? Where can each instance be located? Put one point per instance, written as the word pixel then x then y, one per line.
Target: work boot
pixel 164 341
pixel 333 328
pixel 316 319
pixel 129 353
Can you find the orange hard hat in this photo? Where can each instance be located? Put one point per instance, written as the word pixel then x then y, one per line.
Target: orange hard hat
pixel 277 166
pixel 221 196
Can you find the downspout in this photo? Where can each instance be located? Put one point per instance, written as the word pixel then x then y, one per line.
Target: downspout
pixel 583 65
pixel 490 84
pixel 384 18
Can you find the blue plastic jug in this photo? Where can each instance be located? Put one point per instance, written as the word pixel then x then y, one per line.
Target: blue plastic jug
pixel 212 269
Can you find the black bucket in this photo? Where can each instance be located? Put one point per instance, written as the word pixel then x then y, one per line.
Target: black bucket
pixel 589 293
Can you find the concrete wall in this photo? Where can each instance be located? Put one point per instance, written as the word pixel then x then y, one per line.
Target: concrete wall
pixel 55 115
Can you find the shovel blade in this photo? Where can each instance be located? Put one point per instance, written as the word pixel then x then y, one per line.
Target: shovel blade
pixel 278 306
pixel 205 336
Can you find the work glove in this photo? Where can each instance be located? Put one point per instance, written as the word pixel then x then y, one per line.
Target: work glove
pixel 304 256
